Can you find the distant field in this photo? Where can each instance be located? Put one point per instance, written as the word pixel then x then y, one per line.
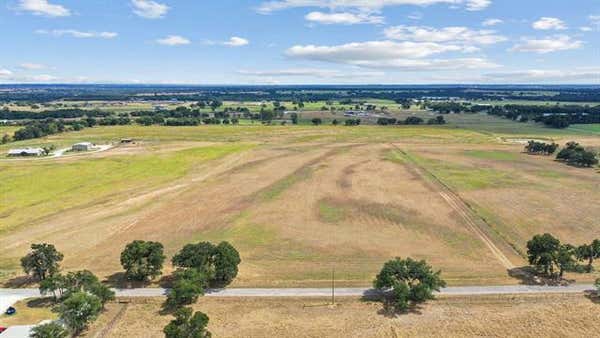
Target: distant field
pixel 8 130
pixel 478 316
pixel 536 102
pixel 298 201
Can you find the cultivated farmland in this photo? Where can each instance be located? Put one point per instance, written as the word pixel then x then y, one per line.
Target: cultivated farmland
pixel 300 201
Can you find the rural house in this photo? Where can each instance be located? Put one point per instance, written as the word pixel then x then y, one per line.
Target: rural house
pixel 26 152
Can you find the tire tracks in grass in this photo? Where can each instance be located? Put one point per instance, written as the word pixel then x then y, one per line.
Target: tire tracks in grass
pixel 474 222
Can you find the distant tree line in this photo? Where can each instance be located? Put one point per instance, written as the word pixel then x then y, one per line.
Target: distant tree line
pixel 411 120
pixel 6 114
pixel 297 94
pixel 556 116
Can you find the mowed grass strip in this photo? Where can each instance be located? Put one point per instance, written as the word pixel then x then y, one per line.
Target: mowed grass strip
pixel 492 155
pixel 463 177
pixel 34 189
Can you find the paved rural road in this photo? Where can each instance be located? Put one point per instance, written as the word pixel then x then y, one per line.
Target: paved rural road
pixel 10 296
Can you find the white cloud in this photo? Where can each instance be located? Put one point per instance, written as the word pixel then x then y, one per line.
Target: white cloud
pixel 173 40
pixel 5 72
pixel 310 73
pixel 366 5
pixel 415 16
pixel 492 22
pixel 369 50
pixel 413 65
pixel 32 66
pixel 236 41
pixel 547 23
pixel 149 9
pixel 343 18
pixel 404 56
pixel 447 34
pixel 537 75
pixel 78 34
pixel 595 21
pixel 478 5
pixel 586 29
pixel 43 7
pixel 547 45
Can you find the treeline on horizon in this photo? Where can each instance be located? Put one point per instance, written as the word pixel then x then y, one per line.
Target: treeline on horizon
pixel 556 116
pixel 39 94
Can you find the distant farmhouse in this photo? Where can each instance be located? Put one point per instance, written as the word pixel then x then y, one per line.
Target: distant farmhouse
pixel 83 146
pixel 26 152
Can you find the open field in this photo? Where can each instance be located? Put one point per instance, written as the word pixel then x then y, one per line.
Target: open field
pixel 299 201
pixel 30 311
pixel 482 316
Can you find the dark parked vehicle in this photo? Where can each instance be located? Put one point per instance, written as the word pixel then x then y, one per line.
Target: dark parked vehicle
pixel 11 311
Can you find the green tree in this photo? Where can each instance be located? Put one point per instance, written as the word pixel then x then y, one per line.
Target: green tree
pixel 103 292
pixel 226 260
pixel 49 330
pixel 542 251
pixel 410 282
pixel 219 264
pixel 186 325
pixel 42 261
pixel 78 310
pixel 199 256
pixel 5 139
pixel 588 252
pixel 189 284
pixel 564 258
pixel 294 118
pixel 316 121
pixel 54 284
pixel 142 260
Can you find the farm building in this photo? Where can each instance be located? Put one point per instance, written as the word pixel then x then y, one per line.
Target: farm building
pixel 26 152
pixel 83 146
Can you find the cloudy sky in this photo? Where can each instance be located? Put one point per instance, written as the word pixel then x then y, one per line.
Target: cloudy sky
pixel 300 41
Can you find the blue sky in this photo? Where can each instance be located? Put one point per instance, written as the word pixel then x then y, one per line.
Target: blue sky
pixel 300 41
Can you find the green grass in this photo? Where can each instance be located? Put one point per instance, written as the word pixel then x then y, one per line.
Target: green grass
pixel 34 189
pixel 276 189
pixel 586 128
pixel 464 177
pixel 492 155
pixel 395 156
pixel 329 212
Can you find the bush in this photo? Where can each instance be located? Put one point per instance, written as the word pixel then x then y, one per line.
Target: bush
pixel 78 310
pixel 49 330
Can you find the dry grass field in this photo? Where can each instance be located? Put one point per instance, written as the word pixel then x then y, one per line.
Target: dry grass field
pixel 300 201
pixel 478 316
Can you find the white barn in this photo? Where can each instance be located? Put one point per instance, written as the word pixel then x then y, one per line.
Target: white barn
pixel 26 152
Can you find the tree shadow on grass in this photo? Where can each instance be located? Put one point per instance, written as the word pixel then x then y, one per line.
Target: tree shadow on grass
pixel 388 310
pixel 527 275
pixel 41 302
pixel 120 281
pixel 20 282
pixel 592 296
